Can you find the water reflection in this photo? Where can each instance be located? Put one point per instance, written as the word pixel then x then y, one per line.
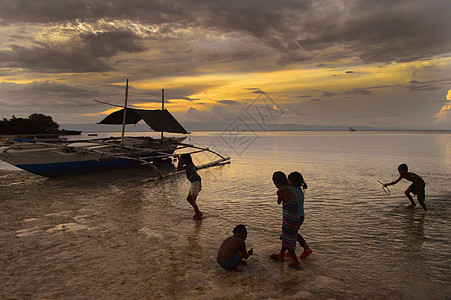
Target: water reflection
pixel 194 247
pixel 446 141
pixel 414 230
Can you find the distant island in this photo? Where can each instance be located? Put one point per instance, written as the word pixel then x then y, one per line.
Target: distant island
pixel 35 124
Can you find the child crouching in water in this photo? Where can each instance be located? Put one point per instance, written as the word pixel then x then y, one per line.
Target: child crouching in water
pixel 233 250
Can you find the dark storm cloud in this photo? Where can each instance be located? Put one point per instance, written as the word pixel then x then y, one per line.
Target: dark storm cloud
pixel 45 90
pixel 266 34
pixel 375 31
pixel 361 92
pixel 229 102
pixel 189 98
pixel 358 91
pixel 329 94
pixel 86 52
pixel 384 31
pixel 431 85
pixel 258 17
pixel 258 92
pixel 45 11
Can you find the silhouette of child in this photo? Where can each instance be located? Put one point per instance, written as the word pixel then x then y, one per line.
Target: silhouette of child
pixel 232 251
pixel 186 163
pixel 297 181
pixel 291 219
pixel 417 187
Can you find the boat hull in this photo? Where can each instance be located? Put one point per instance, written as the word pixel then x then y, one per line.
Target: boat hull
pixel 56 163
pixel 77 165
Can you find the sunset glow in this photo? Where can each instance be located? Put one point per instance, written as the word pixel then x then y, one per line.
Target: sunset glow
pixel 361 69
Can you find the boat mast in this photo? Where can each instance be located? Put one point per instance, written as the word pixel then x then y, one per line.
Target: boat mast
pixel 162 106
pixel 125 113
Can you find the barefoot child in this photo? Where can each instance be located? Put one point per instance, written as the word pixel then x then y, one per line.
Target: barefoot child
pixel 417 187
pixel 291 219
pixel 186 163
pixel 297 181
pixel 233 250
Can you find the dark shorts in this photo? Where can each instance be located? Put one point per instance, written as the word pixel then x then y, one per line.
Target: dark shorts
pixel 232 262
pixel 418 190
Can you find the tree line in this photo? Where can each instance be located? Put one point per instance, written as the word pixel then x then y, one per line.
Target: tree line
pixel 34 124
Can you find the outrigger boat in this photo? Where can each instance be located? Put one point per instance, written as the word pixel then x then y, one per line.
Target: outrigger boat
pixel 63 157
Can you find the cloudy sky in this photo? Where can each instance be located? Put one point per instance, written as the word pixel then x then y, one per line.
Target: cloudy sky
pixel 327 62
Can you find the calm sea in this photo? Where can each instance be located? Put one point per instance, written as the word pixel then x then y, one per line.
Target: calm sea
pixel 114 235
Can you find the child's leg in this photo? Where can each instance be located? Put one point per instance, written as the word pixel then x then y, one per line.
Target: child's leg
pixel 232 263
pixel 282 252
pixel 307 251
pixel 296 262
pixel 423 205
pixel 407 193
pixel 300 239
pixel 302 242
pixel 279 257
pixel 240 260
pixel 420 199
pixel 192 200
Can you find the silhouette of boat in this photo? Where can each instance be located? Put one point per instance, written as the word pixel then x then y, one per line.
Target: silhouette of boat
pixel 62 157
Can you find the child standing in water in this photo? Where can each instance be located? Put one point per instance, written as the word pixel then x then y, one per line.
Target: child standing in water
pixel 233 250
pixel 299 185
pixel 291 219
pixel 186 163
pixel 417 187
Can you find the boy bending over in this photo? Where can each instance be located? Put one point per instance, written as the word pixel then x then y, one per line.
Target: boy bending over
pixel 417 187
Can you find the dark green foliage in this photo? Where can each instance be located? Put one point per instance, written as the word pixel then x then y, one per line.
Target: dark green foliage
pixel 35 124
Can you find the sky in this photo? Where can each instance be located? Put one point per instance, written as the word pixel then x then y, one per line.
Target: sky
pixel 372 63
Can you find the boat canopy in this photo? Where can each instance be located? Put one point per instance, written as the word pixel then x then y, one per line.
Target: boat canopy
pixel 158 120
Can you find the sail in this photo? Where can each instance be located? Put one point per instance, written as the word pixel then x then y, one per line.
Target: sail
pixel 158 120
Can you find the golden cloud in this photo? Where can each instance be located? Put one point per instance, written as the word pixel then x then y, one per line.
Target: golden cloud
pixel 445 112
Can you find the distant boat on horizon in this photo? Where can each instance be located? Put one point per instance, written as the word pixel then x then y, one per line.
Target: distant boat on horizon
pixel 351 129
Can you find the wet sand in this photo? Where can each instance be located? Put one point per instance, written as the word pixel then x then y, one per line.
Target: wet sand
pixel 122 241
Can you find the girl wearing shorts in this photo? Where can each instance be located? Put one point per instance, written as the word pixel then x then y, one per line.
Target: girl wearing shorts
pixel 186 163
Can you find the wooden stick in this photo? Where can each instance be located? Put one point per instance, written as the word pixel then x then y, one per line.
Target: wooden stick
pixel 196 147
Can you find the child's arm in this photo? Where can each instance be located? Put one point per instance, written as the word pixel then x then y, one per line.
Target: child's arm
pixel 244 253
pixel 393 182
pixel 180 163
pixel 279 197
pixel 283 195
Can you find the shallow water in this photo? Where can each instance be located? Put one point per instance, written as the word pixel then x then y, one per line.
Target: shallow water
pixel 111 235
